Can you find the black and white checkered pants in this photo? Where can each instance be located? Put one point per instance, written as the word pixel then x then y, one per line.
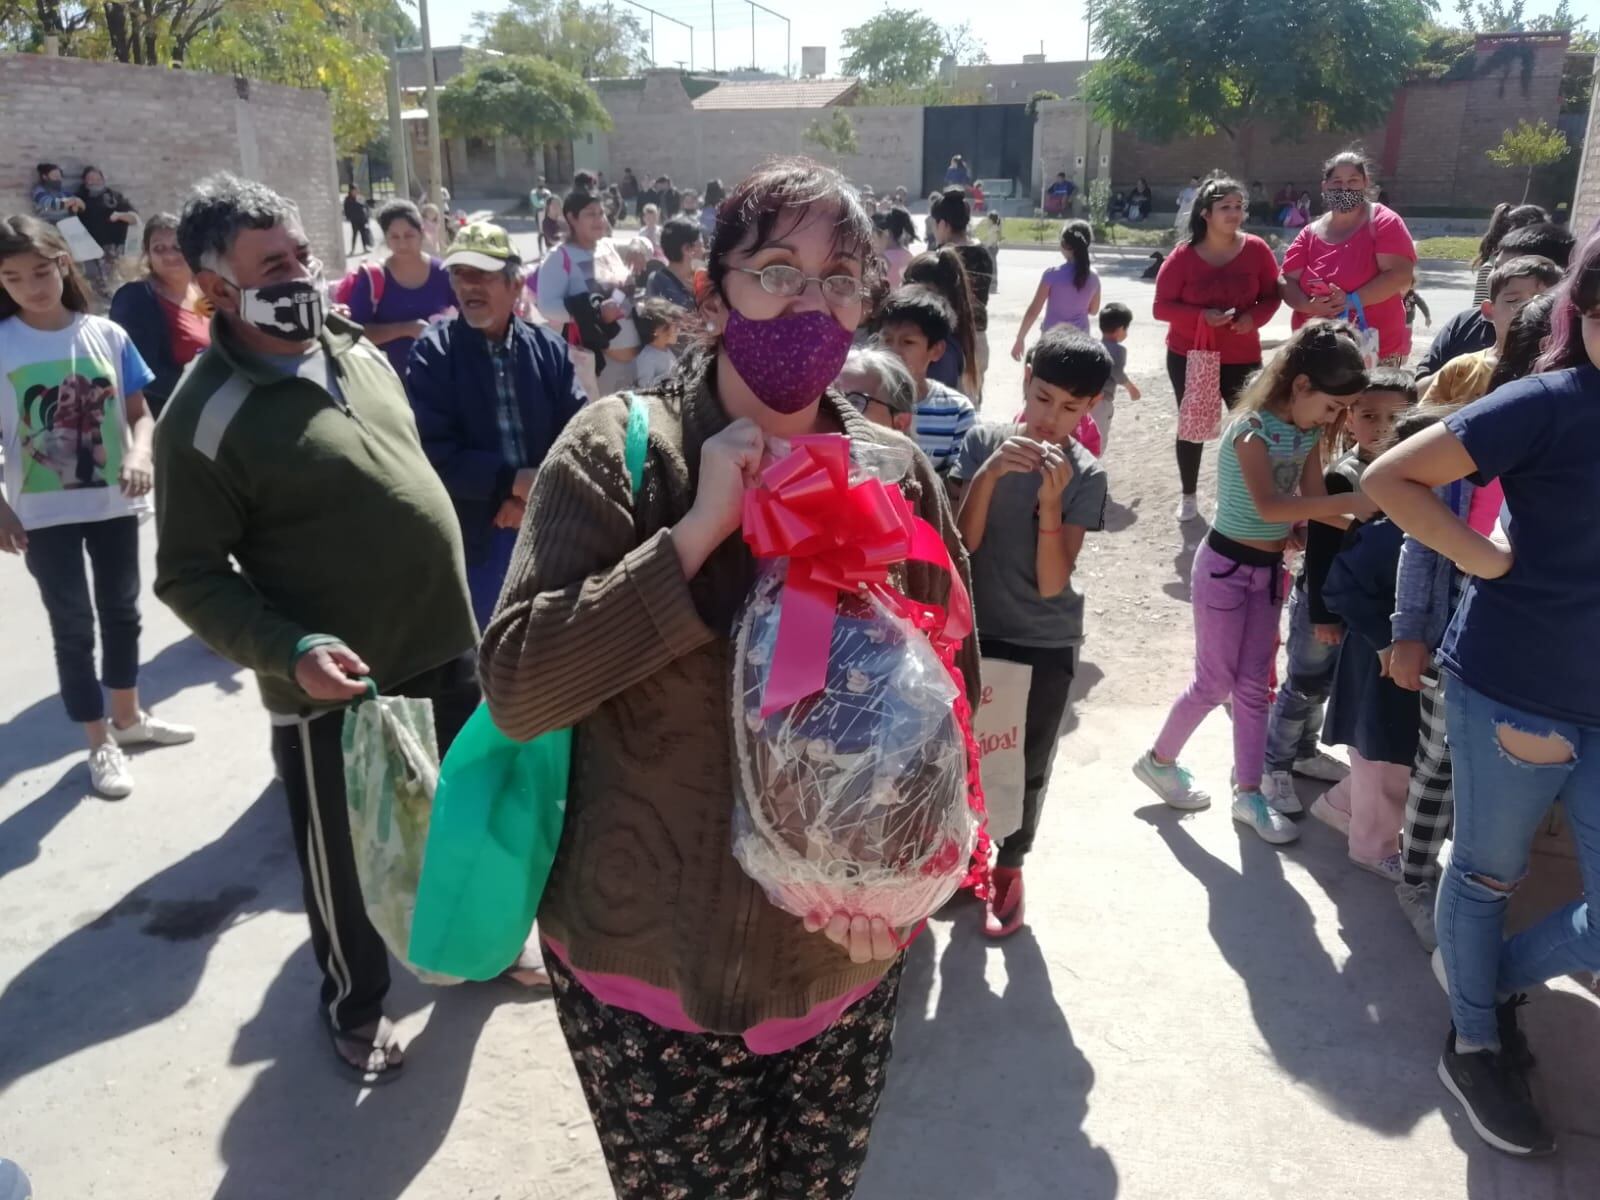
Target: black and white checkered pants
pixel 1430 801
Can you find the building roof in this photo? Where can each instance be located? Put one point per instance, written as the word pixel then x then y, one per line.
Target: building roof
pixel 778 93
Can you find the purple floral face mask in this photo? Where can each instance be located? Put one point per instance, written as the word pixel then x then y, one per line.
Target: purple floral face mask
pixel 788 360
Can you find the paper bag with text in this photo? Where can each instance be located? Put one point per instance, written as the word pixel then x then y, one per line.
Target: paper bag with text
pixel 998 728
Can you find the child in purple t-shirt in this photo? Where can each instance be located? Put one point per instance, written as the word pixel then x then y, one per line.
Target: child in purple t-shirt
pixel 1068 294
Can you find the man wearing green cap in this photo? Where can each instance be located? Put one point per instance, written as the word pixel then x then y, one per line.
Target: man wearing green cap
pixel 490 393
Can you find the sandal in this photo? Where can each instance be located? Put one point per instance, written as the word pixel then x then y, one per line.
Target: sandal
pixel 371 1053
pixel 1002 912
pixel 528 972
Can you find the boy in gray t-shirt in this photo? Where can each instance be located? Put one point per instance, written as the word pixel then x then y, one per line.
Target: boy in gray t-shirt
pixel 1115 320
pixel 1029 493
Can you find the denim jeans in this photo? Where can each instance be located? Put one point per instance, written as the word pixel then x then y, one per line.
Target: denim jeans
pixel 1236 609
pixel 1297 713
pixel 55 558
pixel 485 579
pixel 1500 801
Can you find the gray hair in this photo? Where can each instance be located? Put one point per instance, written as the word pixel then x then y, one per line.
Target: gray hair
pixel 219 209
pixel 889 375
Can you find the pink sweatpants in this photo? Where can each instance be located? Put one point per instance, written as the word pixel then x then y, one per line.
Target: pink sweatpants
pixel 1374 794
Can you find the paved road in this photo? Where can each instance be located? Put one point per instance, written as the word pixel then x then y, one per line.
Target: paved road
pixel 1189 1015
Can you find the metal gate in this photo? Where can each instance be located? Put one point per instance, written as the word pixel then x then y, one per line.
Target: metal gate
pixel 995 139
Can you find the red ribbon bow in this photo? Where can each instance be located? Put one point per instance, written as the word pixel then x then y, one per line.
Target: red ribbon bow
pixel 838 537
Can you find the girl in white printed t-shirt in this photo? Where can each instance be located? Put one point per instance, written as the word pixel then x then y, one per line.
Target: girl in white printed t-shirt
pixel 77 437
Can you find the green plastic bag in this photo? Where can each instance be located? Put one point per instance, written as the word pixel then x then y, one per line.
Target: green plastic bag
pixel 391 769
pixel 497 817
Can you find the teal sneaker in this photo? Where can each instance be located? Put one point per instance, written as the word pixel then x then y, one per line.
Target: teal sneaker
pixel 1251 808
pixel 1172 783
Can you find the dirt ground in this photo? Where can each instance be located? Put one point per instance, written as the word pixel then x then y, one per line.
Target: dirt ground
pixel 1189 1013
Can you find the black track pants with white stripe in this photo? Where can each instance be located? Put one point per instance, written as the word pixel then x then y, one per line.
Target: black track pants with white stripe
pixel 310 762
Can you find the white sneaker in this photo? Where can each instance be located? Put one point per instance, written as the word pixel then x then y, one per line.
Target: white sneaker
pixel 1188 507
pixel 1251 808
pixel 1385 868
pixel 1321 766
pixel 1330 816
pixel 152 731
pixel 1172 783
pixel 109 771
pixel 1278 788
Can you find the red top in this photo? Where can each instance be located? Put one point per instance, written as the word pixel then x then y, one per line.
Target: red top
pixel 188 332
pixel 1187 285
pixel 1352 264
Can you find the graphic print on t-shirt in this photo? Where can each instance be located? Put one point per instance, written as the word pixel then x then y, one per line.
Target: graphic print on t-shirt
pixel 67 441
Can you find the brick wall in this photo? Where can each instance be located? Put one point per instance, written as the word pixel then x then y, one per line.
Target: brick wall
pixel 1432 151
pixel 1586 202
pixel 154 132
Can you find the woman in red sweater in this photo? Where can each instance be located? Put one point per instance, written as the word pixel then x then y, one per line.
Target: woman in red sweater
pixel 1228 280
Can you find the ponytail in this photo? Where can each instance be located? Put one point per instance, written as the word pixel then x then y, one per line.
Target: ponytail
pixel 945 273
pixel 1075 238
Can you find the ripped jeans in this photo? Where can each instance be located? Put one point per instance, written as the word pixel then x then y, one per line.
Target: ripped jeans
pixel 1501 797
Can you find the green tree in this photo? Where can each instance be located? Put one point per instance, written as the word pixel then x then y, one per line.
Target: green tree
pixel 836 135
pixel 898 45
pixel 594 43
pixel 1529 147
pixel 1173 68
pixel 531 99
pixel 963 45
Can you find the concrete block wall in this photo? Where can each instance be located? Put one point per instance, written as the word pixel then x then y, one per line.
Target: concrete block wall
pixel 657 131
pixel 155 131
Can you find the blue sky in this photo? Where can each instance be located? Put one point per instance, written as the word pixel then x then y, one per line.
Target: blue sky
pixel 815 22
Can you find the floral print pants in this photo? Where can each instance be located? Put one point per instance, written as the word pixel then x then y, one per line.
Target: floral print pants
pixel 694 1116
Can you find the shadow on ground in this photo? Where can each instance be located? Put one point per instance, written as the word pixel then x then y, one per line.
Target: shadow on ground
pixel 1193 533
pixel 380 1141
pixel 41 732
pixel 941 1132
pixel 140 961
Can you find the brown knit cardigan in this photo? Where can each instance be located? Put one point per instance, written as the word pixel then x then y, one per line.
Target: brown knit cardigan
pixel 598 629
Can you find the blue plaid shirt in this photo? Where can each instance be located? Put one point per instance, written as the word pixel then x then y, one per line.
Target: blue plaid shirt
pixel 513 444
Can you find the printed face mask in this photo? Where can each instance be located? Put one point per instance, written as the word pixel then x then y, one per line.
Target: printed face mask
pixel 1343 199
pixel 789 360
pixel 294 311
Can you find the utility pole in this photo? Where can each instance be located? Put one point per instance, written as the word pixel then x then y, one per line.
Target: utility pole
pixel 1088 30
pixel 435 158
pixel 713 35
pixel 397 128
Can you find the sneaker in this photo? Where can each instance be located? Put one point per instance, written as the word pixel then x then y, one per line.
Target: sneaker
pixel 109 771
pixel 1321 766
pixel 1512 1040
pixel 1251 808
pixel 1278 788
pixel 1189 507
pixel 1172 783
pixel 1416 901
pixel 1333 818
pixel 152 731
pixel 1385 868
pixel 1493 1089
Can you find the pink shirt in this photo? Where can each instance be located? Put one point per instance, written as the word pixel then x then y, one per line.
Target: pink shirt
pixel 1484 507
pixel 662 1007
pixel 1352 264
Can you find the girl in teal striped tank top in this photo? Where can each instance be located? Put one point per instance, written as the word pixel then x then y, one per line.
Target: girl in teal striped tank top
pixel 1269 476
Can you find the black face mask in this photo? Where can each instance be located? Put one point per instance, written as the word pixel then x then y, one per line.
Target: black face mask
pixel 293 311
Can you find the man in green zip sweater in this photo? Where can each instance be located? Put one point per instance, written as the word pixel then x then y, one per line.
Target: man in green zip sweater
pixel 303 534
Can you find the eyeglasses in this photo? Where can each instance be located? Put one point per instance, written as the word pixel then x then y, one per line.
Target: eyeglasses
pixel 780 280
pixel 860 400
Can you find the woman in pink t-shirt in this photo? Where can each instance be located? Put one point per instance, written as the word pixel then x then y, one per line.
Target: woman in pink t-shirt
pixel 1358 250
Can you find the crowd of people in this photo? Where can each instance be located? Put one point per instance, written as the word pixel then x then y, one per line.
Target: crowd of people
pixel 451 426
